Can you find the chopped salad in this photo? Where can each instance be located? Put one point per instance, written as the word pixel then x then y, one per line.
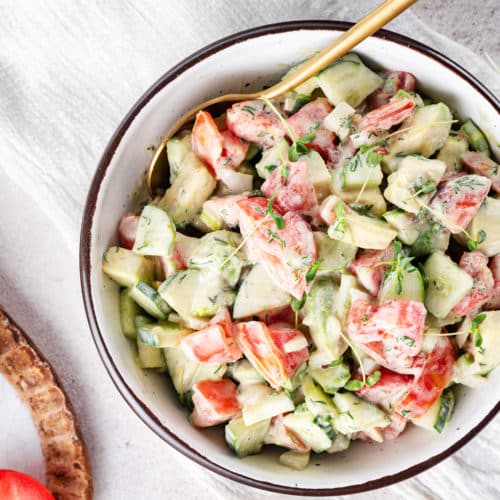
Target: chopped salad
pixel 323 267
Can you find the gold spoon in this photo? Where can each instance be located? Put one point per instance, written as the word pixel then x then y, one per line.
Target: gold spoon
pixel 385 12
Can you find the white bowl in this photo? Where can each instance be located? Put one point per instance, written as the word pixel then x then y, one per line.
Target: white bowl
pixel 247 61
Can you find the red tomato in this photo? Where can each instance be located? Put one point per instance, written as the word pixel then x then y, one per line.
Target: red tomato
pixel 170 265
pixel 394 81
pixel 225 208
pixel 263 347
pixel 390 387
pixel 283 315
pixel 127 229
pixel 475 264
pixel 391 333
pixel 327 209
pixel 480 164
pixel 215 343
pixel 368 269
pixel 206 140
pixel 18 486
pixel 296 192
pixel 458 199
pixel 255 122
pixel 494 302
pixel 233 152
pixel 280 435
pixel 215 401
pixel 434 376
pixel 286 253
pixel 310 118
pixel 388 115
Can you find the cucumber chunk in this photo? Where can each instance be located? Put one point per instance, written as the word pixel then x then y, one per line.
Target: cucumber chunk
pixel 348 80
pixel 356 414
pixel 323 325
pixel 427 132
pixel 155 233
pixel 310 429
pixel 476 137
pixel 177 149
pixel 331 378
pixel 272 158
pixel 294 460
pixel 409 283
pixel 126 267
pixel 185 372
pixel 433 238
pixel 342 306
pixel 454 147
pixel 319 174
pixel 193 185
pixel 194 293
pixel 149 299
pixel 405 223
pixel 165 334
pixel 339 120
pixel 244 373
pixel 129 309
pixel 336 255
pixel 306 88
pixel 362 170
pixel 245 439
pixel 316 401
pixel 486 342
pixel 439 414
pixel 487 219
pixel 447 284
pixel 258 294
pixel 270 405
pixel 149 357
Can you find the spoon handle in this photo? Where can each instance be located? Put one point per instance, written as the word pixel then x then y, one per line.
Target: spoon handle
pixel 379 17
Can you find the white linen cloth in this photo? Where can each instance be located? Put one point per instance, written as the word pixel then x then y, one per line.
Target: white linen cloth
pixel 69 71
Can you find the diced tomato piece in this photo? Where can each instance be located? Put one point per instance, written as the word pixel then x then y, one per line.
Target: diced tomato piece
pixel 494 302
pixel 458 199
pixel 388 115
pixel 327 209
pixel 215 401
pixel 310 118
pixel 225 208
pixel 480 164
pixel 394 81
pixel 282 315
pixel 395 428
pixel 264 347
pixel 170 265
pixel 234 150
pixel 280 435
pixel 368 267
pixel 391 333
pixel 18 486
pixel 286 253
pixel 434 376
pixel 206 140
pixel 295 192
pixel 256 122
pixel 127 229
pixel 342 154
pixel 390 387
pixel 475 264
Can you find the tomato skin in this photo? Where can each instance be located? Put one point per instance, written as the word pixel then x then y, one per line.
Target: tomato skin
pixel 18 486
pixel 234 150
pixel 388 115
pixel 475 264
pixel 286 253
pixel 391 333
pixel 296 192
pixel 263 347
pixel 282 315
pixel 127 229
pixel 458 199
pixel 206 140
pixel 494 302
pixel 255 122
pixel 215 402
pixel 434 376
pixel 394 81
pixel 368 269
pixel 310 118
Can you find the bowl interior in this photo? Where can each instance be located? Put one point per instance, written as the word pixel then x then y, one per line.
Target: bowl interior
pixel 258 61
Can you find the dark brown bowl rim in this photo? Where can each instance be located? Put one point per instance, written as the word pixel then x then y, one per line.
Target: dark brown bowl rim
pixel 141 410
